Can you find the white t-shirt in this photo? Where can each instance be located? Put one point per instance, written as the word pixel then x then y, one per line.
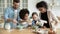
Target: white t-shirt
pixel 15 14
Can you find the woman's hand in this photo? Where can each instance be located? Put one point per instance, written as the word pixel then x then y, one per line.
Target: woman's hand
pixel 37 23
pixel 56 23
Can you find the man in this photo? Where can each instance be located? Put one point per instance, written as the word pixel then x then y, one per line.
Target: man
pixel 11 14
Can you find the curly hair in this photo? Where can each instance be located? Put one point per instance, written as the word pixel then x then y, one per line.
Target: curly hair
pixel 42 4
pixel 23 12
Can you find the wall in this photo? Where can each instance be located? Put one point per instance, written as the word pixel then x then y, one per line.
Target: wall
pixel 32 8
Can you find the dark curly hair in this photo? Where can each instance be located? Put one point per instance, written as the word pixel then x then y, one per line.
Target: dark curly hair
pixel 42 4
pixel 23 12
pixel 17 1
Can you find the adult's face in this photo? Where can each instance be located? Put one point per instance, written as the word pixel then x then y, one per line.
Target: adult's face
pixel 42 9
pixel 16 5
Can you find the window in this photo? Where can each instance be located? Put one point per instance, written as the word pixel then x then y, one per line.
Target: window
pixel 24 4
pixel 4 4
pixel 7 3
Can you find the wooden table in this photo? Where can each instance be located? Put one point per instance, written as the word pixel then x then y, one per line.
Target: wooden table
pixel 17 31
pixel 58 31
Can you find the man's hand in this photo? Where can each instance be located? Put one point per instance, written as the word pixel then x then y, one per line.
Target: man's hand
pixel 9 20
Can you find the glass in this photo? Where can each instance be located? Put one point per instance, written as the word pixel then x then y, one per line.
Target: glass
pixel 35 27
pixel 20 26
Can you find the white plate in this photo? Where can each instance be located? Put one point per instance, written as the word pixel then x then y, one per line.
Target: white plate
pixel 41 31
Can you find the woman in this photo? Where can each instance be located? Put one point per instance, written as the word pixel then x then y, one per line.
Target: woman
pixel 45 14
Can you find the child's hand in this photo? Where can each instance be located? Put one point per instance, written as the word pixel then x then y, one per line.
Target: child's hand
pixel 37 23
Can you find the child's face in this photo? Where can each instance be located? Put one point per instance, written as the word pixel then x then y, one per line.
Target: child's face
pixel 26 16
pixel 35 17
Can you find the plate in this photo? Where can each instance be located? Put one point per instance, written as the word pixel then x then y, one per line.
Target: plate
pixel 41 31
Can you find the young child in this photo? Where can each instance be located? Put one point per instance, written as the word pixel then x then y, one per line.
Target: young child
pixel 35 20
